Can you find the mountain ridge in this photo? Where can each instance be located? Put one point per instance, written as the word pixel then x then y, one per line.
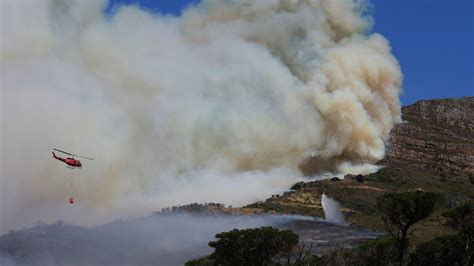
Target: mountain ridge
pixel 436 135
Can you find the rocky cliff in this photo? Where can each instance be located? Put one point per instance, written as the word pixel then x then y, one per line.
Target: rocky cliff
pixel 436 135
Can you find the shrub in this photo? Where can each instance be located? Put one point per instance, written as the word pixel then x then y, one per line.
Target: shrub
pixel 445 250
pixel 298 185
pixel 380 251
pixel 461 218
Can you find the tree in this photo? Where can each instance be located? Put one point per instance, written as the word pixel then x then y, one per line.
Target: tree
pixel 257 246
pixel 461 218
pixel 400 211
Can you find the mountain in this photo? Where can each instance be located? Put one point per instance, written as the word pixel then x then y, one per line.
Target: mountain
pixel 436 135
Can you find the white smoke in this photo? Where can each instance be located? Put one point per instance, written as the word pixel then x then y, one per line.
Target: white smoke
pixel 220 104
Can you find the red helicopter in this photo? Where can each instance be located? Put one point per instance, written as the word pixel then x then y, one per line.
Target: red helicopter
pixel 72 164
pixel 70 161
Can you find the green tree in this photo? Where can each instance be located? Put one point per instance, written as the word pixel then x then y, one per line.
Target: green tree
pixel 257 246
pixel 400 211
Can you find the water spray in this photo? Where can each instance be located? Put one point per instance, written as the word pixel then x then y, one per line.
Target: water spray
pixel 332 213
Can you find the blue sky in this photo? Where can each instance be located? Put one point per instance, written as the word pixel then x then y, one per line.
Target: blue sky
pixel 432 40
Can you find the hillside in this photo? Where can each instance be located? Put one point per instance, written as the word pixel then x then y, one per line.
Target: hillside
pixel 438 136
pixel 433 149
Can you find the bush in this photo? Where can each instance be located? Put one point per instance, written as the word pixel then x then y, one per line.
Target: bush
pixel 380 251
pixel 359 178
pixel 461 218
pixel 298 185
pixel 445 250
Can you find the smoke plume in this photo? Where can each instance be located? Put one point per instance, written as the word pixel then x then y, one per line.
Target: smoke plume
pixel 219 104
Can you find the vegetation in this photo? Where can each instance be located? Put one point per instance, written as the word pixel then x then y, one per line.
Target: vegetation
pixel 258 246
pixel 358 200
pixel 461 219
pixel 405 207
pixel 400 211
pixel 359 204
pixel 450 249
pixel 444 250
pixel 380 251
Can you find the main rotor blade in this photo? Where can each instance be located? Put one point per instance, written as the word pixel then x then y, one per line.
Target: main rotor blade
pixel 63 151
pixel 83 157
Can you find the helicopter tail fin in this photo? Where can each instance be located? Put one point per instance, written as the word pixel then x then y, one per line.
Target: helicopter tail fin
pixel 54 155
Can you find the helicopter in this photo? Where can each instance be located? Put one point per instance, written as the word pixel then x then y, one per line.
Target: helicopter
pixel 70 161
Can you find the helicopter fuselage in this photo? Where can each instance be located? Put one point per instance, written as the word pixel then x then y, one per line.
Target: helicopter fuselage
pixel 69 161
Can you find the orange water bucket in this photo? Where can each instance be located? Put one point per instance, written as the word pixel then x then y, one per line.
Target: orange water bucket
pixel 71 200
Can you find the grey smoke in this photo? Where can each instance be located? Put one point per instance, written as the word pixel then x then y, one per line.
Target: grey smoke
pixel 220 104
pixel 156 240
pixel 169 239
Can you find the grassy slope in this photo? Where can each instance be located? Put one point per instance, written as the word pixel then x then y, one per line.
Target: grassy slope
pixel 358 198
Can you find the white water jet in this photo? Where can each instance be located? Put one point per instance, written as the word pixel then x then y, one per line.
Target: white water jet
pixel 332 213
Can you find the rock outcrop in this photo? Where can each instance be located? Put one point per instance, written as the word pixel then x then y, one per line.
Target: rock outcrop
pixel 436 135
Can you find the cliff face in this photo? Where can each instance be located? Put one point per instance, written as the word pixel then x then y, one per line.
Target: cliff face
pixel 436 135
